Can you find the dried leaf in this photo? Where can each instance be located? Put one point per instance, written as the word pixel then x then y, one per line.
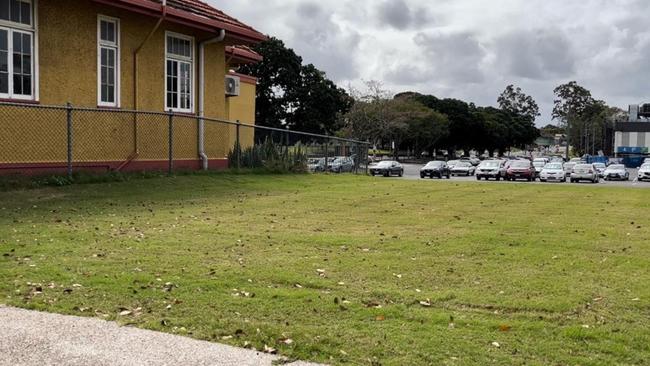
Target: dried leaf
pixel 380 318
pixel 505 328
pixel 426 303
pixel 270 350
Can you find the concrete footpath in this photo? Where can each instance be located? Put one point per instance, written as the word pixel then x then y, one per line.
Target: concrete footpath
pixel 33 338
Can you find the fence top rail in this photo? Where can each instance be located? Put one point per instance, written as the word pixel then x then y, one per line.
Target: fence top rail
pixel 180 115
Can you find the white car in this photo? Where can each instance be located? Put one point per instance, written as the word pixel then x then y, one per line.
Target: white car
pixel 616 172
pixel 644 172
pixel 552 172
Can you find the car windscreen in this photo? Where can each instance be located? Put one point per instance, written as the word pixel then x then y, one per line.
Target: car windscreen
pixel 490 164
pixel 538 163
pixel 617 167
pixel 553 166
pixel 600 165
pixel 645 166
pixel 582 166
pixel 434 164
pixel 463 164
pixel 520 164
pixel 384 164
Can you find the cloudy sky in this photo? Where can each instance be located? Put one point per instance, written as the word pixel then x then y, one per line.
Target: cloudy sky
pixel 468 49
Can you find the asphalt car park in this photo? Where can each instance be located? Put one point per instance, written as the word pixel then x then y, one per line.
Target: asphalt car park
pixel 412 171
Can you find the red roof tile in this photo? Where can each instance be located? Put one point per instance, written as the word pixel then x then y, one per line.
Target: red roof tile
pixel 242 55
pixel 194 12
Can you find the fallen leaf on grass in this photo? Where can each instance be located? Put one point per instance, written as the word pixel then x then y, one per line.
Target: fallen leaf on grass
pixel 286 341
pixel 505 328
pixel 380 318
pixel 270 350
pixel 426 303
pixel 126 312
pixel 496 344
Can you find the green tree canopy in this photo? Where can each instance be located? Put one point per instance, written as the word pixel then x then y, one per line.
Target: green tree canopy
pixel 293 95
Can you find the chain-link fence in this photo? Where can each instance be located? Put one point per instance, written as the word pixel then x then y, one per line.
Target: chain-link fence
pixel 37 139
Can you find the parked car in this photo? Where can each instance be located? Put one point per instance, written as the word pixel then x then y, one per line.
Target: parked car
pixel 474 160
pixel 568 168
pixel 616 172
pixel 316 165
pixel 387 168
pixel 463 168
pixel 539 164
pixel 552 172
pixel 600 167
pixel 452 163
pixel 435 169
pixel 644 172
pixel 584 172
pixel 491 169
pixel 341 164
pixel 521 169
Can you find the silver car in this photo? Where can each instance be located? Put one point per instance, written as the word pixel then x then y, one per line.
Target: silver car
pixel 616 172
pixel 585 172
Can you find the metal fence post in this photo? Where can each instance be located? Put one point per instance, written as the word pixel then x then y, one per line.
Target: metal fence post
pixel 327 147
pixel 69 132
pixel 171 143
pixel 238 144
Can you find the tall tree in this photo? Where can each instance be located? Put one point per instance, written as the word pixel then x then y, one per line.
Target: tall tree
pixel 516 102
pixel 572 100
pixel 293 95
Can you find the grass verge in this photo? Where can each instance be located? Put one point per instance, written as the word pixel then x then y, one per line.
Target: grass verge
pixel 344 269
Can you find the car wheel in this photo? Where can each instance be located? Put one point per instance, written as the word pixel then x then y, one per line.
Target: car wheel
pixel 401 173
pixel 498 178
pixel 387 174
pixel 422 176
pixel 448 176
pixel 478 177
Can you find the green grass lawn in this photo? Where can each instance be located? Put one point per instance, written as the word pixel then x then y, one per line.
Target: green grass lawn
pixel 345 269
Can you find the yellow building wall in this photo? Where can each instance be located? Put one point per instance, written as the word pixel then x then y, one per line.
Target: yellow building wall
pixel 242 109
pixel 67 44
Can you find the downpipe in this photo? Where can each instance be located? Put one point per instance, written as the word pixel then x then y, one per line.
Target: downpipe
pixel 203 156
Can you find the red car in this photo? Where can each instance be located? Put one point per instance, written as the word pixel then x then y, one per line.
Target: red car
pixel 521 169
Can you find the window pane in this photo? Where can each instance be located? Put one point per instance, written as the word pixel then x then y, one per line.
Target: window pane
pixel 15 11
pixel 27 65
pixel 111 94
pixel 4 61
pixel 4 83
pixel 27 85
pixel 27 44
pixel 111 58
pixel 110 31
pixel 102 30
pixel 26 13
pixel 4 9
pixel 17 42
pixel 18 64
pixel 18 84
pixel 111 76
pixel 3 40
pixel 104 57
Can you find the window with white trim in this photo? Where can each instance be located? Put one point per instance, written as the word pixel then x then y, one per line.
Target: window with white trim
pixel 108 61
pixel 179 58
pixel 17 59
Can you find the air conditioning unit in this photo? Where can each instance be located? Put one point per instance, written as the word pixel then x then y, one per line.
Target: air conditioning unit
pixel 232 86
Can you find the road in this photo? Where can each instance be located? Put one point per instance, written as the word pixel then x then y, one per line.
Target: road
pixel 412 171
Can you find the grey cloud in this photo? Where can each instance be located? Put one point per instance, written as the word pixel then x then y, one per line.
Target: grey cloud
pixel 536 54
pixel 455 57
pixel 321 41
pixel 398 14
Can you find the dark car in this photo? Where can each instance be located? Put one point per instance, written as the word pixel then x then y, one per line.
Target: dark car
pixel 491 169
pixel 387 168
pixel 521 169
pixel 463 168
pixel 435 169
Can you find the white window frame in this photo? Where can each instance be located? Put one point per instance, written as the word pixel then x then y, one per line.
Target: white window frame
pixel 32 29
pixel 115 46
pixel 191 60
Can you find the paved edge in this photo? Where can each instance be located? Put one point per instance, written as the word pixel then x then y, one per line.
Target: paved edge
pixel 35 338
